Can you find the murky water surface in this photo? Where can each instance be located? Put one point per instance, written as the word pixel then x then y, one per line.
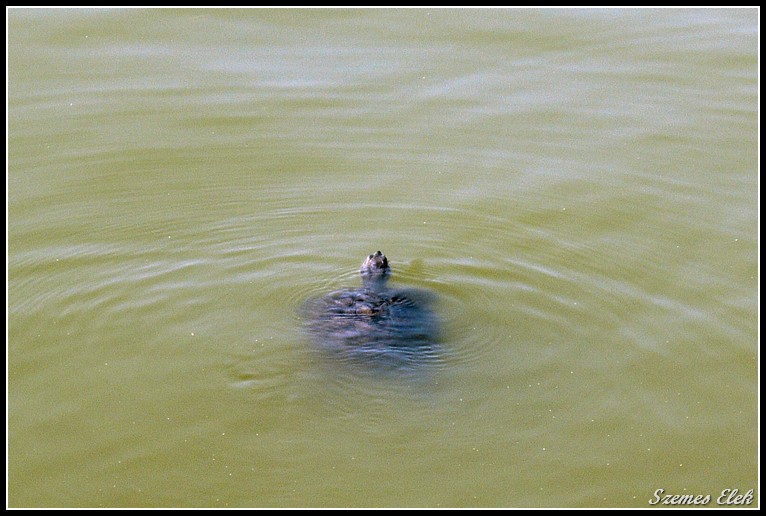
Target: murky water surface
pixel 577 189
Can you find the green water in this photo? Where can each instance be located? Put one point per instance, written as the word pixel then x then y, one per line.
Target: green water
pixel 578 188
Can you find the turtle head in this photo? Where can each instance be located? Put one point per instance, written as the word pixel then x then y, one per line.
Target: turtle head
pixel 375 266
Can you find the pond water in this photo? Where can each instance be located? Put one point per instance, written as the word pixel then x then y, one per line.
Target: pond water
pixel 578 189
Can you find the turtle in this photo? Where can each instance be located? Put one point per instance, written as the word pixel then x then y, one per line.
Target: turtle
pixel 375 322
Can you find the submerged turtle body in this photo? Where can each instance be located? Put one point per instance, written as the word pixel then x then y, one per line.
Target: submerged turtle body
pixel 374 320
